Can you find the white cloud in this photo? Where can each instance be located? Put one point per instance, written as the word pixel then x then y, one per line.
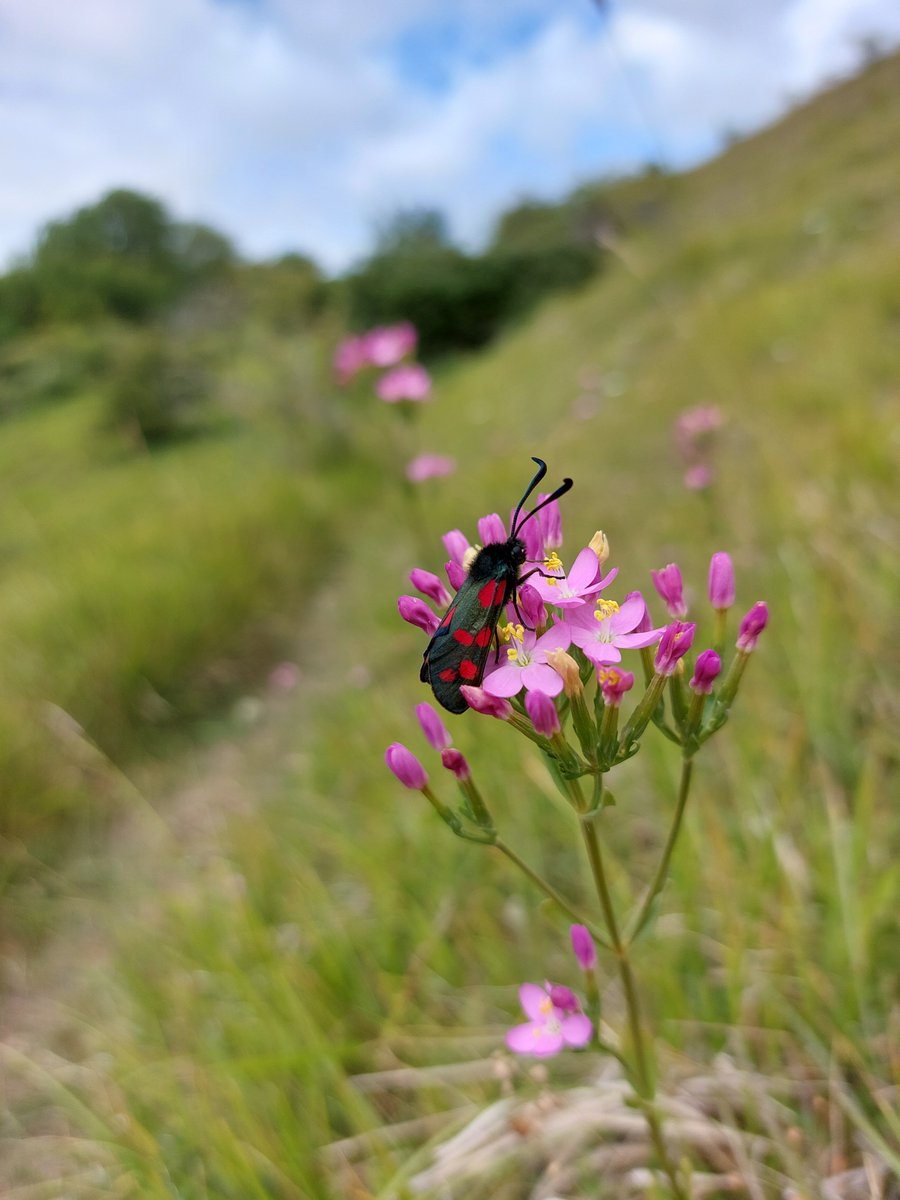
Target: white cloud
pixel 296 124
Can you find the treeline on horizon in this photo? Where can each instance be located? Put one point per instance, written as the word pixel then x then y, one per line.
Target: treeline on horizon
pixel 122 294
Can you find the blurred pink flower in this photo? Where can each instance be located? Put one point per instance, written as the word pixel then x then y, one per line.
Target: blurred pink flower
pixel 408 382
pixel 429 466
pixel 390 344
pixel 695 431
pixel 351 355
pixel 284 677
pixel 555 1021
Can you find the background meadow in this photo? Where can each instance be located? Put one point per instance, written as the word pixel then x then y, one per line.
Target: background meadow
pixel 239 959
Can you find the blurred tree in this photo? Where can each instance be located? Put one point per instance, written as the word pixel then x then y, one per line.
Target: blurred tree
pixel 123 256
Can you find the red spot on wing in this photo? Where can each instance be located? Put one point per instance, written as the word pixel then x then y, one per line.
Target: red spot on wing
pixel 448 617
pixel 463 637
pixel 468 669
pixel 483 636
pixel 500 592
pixel 448 675
pixel 487 593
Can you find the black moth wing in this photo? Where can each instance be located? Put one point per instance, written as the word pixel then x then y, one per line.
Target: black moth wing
pixel 459 650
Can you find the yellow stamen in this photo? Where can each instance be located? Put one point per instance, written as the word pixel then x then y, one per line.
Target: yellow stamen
pixel 553 562
pixel 605 608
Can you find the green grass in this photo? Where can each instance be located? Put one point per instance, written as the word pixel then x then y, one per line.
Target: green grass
pixel 332 926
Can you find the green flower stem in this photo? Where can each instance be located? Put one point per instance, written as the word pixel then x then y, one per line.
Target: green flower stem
pixel 640 718
pixel 641 1073
pixel 549 890
pixel 642 915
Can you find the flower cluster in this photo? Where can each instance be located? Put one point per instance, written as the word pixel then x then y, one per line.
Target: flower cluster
pixel 404 382
pixel 695 435
pixel 558 675
pixel 562 627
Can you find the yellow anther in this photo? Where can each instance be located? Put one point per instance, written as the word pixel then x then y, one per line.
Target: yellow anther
pixel 553 562
pixel 512 654
pixel 605 608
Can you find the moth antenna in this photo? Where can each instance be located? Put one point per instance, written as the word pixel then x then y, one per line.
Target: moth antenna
pixel 541 472
pixel 560 491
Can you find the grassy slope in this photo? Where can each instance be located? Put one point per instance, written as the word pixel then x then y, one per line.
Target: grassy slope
pixel 338 927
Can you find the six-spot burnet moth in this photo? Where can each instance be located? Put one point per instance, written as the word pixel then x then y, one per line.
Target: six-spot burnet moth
pixel 458 652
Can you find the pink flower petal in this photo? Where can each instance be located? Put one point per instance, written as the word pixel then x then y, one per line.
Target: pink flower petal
pixel 576 1029
pixel 534 1001
pixel 506 681
pixel 540 677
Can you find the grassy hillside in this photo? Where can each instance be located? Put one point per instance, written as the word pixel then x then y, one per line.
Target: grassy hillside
pixel 324 925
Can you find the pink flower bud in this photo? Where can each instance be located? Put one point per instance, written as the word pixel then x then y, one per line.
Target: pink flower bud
pixel 532 606
pixel 674 644
pixel 551 523
pixel 418 613
pixel 405 766
pixel 614 683
pixel 645 624
pixel 433 727
pixel 491 529
pixel 721 581
pixel 706 672
pixel 454 761
pixel 563 998
pixel 698 477
pixel 429 466
pixel 430 585
pixel 491 706
pixel 668 584
pixel 583 945
pixel 542 712
pixel 533 537
pixel 456 575
pixel 456 544
pixel 752 626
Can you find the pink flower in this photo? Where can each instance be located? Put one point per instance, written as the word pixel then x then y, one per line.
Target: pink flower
pixel 284 677
pixel 721 581
pixel 430 585
pixel 674 644
pixel 706 672
pixel 433 727
pixel 550 520
pixel 454 761
pixel 389 344
pixel 668 583
pixel 614 684
pixel 429 466
pixel 531 606
pixel 418 613
pixel 455 574
pixel 698 477
pixel 526 663
pixel 582 583
pixel 583 945
pixel 491 529
pixel 604 631
pixel 550 1026
pixel 405 766
pixel 351 355
pixel 408 382
pixel 456 544
pixel 492 706
pixel 542 711
pixel 531 535
pixel 752 626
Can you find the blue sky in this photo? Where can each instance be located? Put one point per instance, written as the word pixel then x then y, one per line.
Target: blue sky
pixel 303 124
